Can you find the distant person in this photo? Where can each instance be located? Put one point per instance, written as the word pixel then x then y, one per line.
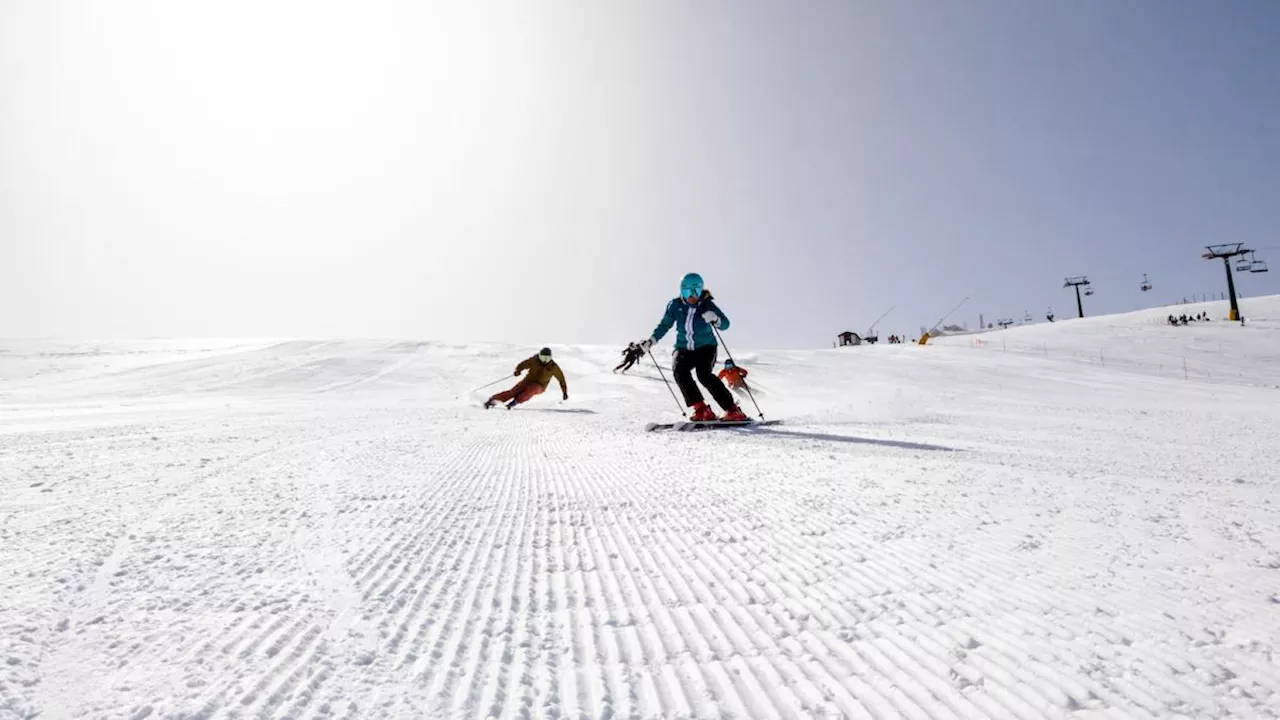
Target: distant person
pixel 733 376
pixel 696 317
pixel 1173 320
pixel 539 370
pixel 630 357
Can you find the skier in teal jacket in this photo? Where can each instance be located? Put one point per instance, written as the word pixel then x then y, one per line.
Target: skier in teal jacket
pixel 694 315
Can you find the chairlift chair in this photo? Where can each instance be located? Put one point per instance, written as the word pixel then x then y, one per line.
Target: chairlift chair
pixel 1146 284
pixel 1244 264
pixel 1257 266
pixel 1088 291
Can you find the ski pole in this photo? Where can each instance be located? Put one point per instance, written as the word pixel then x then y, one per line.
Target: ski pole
pixel 729 355
pixel 664 379
pixel 482 387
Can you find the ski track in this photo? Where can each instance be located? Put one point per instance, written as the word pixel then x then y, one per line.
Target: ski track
pixel 320 530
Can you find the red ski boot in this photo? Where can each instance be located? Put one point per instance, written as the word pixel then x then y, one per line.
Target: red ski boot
pixel 702 413
pixel 735 414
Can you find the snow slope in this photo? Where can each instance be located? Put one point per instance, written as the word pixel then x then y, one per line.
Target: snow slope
pixel 1217 350
pixel 334 529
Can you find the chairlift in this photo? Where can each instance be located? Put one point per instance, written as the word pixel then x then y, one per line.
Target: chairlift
pixel 1088 290
pixel 1146 284
pixel 1244 264
pixel 1257 266
pixel 1026 316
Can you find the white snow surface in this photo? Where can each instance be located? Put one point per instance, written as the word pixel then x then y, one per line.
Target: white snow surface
pixel 1050 521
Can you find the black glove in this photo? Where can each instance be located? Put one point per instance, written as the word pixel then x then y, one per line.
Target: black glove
pixel 515 374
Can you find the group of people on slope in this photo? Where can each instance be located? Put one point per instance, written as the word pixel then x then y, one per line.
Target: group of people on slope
pixel 1184 318
pixel 696 318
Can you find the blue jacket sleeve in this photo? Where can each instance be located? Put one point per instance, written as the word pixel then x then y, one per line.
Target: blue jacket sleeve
pixel 668 319
pixel 724 319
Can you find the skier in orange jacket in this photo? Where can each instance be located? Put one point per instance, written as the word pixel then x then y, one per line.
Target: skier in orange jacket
pixel 540 371
pixel 733 376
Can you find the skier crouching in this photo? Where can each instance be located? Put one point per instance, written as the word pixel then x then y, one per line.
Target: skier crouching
pixel 630 357
pixel 733 376
pixel 540 369
pixel 694 314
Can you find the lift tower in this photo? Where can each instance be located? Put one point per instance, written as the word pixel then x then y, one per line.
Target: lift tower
pixel 1076 282
pixel 1226 252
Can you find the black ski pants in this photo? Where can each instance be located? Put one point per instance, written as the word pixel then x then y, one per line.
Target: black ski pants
pixel 701 361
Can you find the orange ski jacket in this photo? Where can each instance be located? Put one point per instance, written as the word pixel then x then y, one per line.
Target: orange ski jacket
pixel 540 374
pixel 734 377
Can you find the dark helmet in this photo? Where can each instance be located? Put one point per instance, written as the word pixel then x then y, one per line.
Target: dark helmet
pixel 544 355
pixel 729 364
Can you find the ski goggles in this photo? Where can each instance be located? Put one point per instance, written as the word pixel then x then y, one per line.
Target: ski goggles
pixel 545 359
pixel 691 294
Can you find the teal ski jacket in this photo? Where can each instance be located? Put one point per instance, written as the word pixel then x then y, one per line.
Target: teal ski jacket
pixel 692 332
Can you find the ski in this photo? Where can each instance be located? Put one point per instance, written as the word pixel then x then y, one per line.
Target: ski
pixel 691 426
pixel 509 405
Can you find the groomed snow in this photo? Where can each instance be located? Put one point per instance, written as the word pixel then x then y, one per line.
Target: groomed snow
pixel 999 525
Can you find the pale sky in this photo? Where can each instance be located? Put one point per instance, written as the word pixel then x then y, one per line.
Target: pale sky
pixel 545 172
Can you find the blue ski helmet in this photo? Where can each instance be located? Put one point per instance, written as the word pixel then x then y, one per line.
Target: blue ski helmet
pixel 728 364
pixel 691 286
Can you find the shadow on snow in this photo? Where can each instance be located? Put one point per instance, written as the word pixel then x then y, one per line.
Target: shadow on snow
pixel 828 437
